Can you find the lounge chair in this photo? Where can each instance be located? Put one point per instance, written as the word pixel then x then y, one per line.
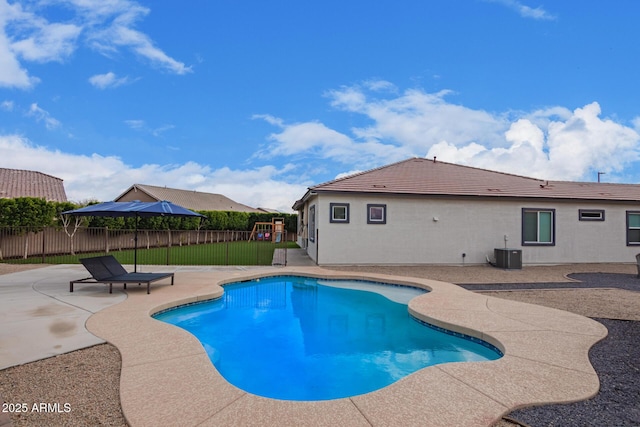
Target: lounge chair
pixel 107 269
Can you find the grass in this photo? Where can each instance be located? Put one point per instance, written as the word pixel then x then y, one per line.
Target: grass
pixel 225 253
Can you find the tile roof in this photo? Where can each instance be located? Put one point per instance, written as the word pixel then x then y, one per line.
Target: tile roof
pixel 23 183
pixel 194 200
pixel 419 176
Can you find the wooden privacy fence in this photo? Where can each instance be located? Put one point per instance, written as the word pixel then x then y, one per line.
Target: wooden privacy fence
pixel 19 244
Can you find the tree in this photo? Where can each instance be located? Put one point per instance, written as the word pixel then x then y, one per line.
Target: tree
pixel 66 221
pixel 32 215
pixel 8 217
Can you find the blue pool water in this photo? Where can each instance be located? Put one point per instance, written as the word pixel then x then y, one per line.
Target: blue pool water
pixel 299 338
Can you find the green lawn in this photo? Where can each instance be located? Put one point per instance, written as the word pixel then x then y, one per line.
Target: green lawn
pixel 226 253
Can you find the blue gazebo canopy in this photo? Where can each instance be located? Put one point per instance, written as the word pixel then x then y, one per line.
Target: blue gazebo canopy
pixel 134 209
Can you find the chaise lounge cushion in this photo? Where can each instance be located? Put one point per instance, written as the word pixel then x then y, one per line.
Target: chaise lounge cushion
pixel 107 269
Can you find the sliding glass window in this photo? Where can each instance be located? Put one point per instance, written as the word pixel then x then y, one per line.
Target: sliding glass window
pixel 538 226
pixel 633 228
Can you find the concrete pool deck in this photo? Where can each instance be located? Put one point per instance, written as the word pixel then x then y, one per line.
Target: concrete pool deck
pixel 40 318
pixel 167 378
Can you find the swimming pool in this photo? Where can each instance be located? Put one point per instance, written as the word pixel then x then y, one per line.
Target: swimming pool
pixel 301 338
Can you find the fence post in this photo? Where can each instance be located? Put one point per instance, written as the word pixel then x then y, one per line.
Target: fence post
pixel 168 245
pixel 257 252
pixel 44 233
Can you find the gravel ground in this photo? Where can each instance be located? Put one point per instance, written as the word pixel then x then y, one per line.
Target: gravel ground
pixel 616 359
pixel 595 295
pixel 614 301
pixel 88 379
pixel 487 274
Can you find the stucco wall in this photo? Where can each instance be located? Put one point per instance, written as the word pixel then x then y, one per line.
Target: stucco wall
pixel 308 238
pixel 438 231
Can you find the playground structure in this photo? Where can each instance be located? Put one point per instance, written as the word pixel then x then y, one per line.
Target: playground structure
pixel 265 231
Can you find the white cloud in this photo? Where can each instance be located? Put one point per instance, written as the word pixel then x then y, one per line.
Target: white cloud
pixel 269 119
pixel 264 187
pixel 12 74
pixel 49 42
pixel 380 85
pixel 308 137
pixel 141 125
pixel 551 143
pixel 314 139
pixel 526 11
pixel 106 26
pixel 112 26
pixel 567 149
pixel 589 141
pixel 143 46
pixel 161 129
pixel 7 105
pixel 106 177
pixel 27 36
pixel 107 80
pixel 401 126
pixel 136 124
pixel 43 116
pixel 416 119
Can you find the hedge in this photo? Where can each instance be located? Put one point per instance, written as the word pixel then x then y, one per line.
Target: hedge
pixel 35 213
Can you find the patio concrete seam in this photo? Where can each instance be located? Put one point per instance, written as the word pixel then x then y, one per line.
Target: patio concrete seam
pixel 157 360
pixel 33 287
pixel 538 289
pixel 360 411
pixel 557 366
pixel 537 328
pixel 466 384
pixel 441 367
pixel 540 328
pixel 533 321
pixel 228 405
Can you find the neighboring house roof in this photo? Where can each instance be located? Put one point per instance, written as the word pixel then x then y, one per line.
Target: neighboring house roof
pixel 23 183
pixel 194 200
pixel 269 210
pixel 419 176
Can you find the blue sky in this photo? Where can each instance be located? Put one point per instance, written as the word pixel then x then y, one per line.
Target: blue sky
pixel 259 100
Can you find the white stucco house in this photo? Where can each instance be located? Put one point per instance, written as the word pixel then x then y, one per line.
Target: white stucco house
pixel 423 211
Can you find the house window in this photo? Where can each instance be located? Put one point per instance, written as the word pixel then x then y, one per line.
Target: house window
pixel 538 226
pixel 339 212
pixel 633 228
pixel 312 223
pixel 376 214
pixel 591 214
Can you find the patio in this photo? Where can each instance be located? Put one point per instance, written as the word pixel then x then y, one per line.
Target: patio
pixel 163 364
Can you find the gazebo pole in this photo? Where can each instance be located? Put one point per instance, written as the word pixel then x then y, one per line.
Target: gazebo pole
pixel 135 247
